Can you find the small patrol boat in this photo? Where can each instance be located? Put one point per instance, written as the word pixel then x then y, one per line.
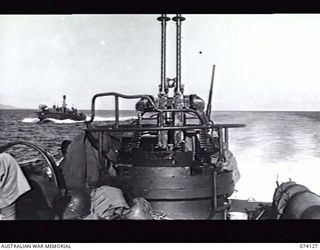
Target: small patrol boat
pixel 60 113
pixel 173 155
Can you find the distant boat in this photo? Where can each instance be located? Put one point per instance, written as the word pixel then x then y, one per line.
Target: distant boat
pixel 60 113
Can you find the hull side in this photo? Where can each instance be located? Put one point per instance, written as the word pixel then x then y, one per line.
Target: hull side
pixel 60 116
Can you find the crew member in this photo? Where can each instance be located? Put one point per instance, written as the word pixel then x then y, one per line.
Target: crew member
pixel 81 166
pixel 64 149
pixel 13 184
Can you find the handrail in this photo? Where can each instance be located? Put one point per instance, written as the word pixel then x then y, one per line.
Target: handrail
pixel 150 128
pixel 148 97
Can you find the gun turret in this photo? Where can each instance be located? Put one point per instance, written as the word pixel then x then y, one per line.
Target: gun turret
pixel 172 154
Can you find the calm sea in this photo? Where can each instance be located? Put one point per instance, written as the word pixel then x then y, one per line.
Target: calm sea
pixel 273 146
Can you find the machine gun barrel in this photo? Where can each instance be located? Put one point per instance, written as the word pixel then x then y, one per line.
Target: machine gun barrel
pixel 178 19
pixel 163 19
pixel 208 113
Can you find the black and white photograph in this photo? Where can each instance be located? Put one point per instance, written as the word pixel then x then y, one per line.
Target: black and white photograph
pixel 159 117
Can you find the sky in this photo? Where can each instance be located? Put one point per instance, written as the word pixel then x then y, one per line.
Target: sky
pixel 263 62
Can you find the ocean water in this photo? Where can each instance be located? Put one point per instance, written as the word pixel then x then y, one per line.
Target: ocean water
pixel 273 145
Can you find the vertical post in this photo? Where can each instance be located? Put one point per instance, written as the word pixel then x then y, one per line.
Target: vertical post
pixel 221 148
pixel 117 111
pixel 178 19
pixel 163 19
pixel 101 158
pixel 214 192
pixel 214 203
pixel 226 138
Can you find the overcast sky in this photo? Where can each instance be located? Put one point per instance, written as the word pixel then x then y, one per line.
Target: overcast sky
pixel 263 62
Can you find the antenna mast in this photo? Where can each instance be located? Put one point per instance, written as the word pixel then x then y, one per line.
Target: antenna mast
pixel 208 113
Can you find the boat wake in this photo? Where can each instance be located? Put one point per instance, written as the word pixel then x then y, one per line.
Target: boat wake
pixel 68 121
pixel 263 176
pixel 30 120
pixel 48 120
